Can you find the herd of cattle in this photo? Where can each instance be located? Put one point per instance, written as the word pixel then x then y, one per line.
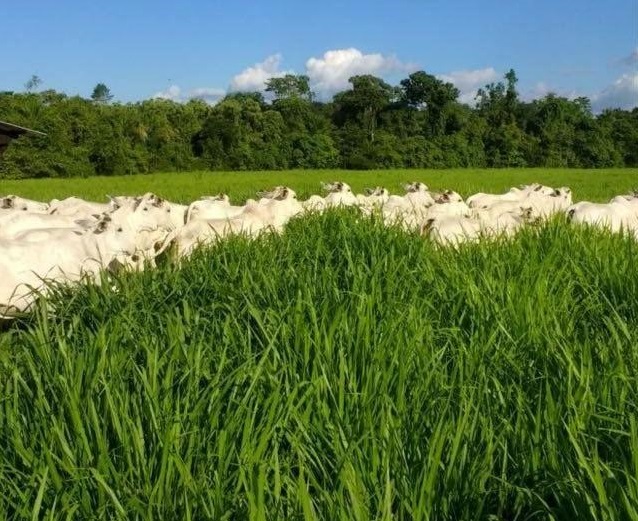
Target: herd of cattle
pixel 73 238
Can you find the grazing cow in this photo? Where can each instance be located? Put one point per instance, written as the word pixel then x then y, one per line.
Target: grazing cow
pixel 418 195
pixel 449 196
pixel 79 208
pixel 272 212
pixel 373 198
pixel 66 256
pixel 19 222
pixel 547 205
pixel 451 230
pixel 503 223
pixel 339 194
pixel 449 204
pixel 631 201
pixel 314 203
pixel 217 207
pixel 14 202
pixel 482 200
pixel 615 216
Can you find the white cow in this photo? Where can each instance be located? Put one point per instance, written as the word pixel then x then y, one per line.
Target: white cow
pixel 339 194
pixel 547 205
pixel 449 204
pixel 615 215
pixel 452 230
pixel 79 208
pixel 503 223
pixel 482 200
pixel 217 207
pixel 272 212
pixel 66 256
pixel 373 198
pixel 418 194
pixel 314 203
pixel 18 222
pixel 14 202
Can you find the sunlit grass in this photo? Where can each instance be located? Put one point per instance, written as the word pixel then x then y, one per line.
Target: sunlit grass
pixel 342 370
pixel 188 186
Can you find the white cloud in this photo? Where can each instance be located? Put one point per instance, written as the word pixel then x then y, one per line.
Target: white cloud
pixel 172 93
pixel 254 78
pixel 208 94
pixel 542 89
pixel 469 81
pixel 330 73
pixel 622 94
pixel 632 59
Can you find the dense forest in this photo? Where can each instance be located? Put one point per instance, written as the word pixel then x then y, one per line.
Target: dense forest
pixel 418 123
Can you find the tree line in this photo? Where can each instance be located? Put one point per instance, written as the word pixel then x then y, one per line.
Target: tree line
pixel 418 123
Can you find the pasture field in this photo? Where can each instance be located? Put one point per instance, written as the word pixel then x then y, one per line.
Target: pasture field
pixel 341 370
pixel 595 185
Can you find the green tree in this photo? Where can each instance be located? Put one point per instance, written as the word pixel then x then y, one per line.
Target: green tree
pixel 365 101
pixel 424 91
pixel 33 83
pixel 290 86
pixel 101 94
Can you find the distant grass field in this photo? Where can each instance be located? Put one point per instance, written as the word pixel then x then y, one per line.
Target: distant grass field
pixel 596 185
pixel 340 371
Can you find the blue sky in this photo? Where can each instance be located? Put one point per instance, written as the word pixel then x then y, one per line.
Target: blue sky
pixel 142 48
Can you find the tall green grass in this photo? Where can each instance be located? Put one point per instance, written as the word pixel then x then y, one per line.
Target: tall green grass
pixel 598 185
pixel 343 370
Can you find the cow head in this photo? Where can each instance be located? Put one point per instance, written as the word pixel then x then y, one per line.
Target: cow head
pixel 377 191
pixel 415 186
pixel 286 193
pixel 220 197
pixel 103 224
pixel 427 226
pixel 279 193
pixel 449 196
pixel 8 202
pixel 527 213
pixel 337 186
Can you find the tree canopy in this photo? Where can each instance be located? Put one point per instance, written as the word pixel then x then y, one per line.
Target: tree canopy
pixel 418 123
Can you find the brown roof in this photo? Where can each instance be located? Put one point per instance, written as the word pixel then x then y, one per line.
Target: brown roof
pixel 9 131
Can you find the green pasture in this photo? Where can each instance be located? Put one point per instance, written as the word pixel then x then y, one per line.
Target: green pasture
pixel 340 371
pixel 597 185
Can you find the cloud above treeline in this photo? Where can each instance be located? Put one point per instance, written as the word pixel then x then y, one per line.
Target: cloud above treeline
pixel 330 72
pixel 622 94
pixel 253 79
pixel 469 81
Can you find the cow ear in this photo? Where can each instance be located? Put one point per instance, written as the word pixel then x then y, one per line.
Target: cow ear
pixel 368 191
pixel 285 193
pixel 101 227
pixel 537 188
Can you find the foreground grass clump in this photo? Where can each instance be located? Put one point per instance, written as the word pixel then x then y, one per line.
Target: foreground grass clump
pixel 340 371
